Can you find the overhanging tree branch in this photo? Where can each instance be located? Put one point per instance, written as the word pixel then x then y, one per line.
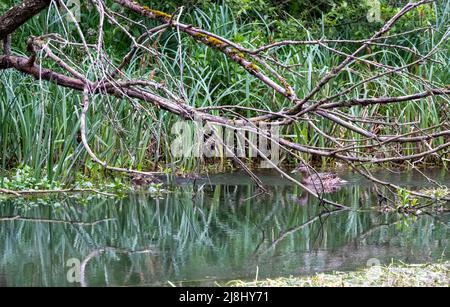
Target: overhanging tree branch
pixel 19 14
pixel 368 140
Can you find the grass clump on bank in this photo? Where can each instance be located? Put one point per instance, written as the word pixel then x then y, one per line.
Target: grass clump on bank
pixel 394 275
pixel 21 182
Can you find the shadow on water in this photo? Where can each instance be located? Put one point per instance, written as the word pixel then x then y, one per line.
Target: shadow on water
pixel 215 230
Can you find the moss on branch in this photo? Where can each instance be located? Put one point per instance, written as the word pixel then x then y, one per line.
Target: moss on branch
pixel 158 14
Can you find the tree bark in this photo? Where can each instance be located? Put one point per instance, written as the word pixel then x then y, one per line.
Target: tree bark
pixel 18 15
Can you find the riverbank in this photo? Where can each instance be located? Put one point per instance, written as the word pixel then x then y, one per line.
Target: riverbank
pixel 394 275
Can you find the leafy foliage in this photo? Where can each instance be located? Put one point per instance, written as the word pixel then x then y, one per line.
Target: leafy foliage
pixel 40 121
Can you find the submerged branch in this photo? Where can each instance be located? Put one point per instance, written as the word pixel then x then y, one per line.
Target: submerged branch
pixel 39 220
pixel 20 193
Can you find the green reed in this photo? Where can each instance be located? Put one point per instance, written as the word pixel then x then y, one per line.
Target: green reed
pixel 40 121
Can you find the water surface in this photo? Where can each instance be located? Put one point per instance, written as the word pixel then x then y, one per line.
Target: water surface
pixel 210 230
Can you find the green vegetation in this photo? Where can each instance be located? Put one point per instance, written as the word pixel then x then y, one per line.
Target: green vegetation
pixel 331 11
pixel 22 180
pixel 437 192
pixel 394 275
pixel 40 121
pixel 89 112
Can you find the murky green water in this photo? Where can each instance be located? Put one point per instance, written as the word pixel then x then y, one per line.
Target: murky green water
pixel 214 230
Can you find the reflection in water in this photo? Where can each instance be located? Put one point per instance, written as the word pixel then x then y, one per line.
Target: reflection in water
pixel 216 230
pixel 303 198
pixel 3 282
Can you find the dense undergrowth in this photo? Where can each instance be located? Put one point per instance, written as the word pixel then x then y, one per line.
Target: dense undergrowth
pixel 39 128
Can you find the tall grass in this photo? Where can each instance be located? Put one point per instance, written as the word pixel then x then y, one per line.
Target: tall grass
pixel 39 121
